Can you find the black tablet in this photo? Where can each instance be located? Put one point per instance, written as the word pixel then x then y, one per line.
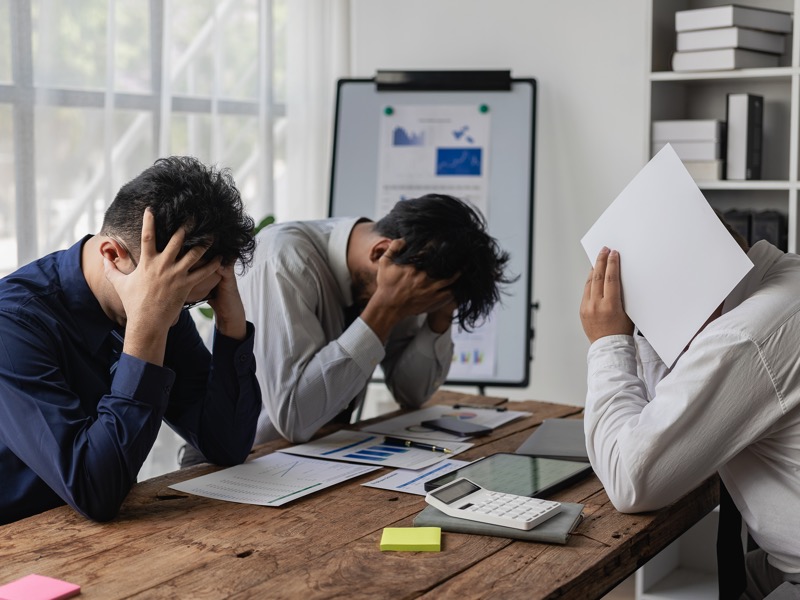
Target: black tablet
pixel 517 474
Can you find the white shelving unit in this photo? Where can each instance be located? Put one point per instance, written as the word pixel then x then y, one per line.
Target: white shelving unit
pixel 687 568
pixel 701 95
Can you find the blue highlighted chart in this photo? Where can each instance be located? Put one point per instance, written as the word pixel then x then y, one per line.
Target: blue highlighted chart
pixel 458 161
pixel 362 447
pixel 401 137
pixel 377 453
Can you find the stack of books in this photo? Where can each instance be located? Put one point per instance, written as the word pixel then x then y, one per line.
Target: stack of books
pixel 730 37
pixel 699 143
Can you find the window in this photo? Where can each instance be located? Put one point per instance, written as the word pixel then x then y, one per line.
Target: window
pixel 92 92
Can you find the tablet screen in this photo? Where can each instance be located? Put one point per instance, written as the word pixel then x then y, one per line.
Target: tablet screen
pixel 517 474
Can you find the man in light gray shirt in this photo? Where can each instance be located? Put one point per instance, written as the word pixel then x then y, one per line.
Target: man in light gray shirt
pixel 332 299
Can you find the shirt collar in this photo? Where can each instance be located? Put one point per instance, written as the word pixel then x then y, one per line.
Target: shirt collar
pixel 337 256
pixel 763 255
pixel 79 299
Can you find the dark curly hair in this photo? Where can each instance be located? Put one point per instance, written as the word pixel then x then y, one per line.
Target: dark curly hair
pixel 180 190
pixel 445 236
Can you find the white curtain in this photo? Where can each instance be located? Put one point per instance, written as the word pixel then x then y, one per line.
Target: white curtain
pixel 92 92
pixel 318 53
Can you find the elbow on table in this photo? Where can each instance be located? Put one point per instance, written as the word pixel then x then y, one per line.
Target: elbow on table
pixel 630 499
pixel 100 512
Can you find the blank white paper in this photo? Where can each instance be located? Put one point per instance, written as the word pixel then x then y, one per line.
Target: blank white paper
pixel 678 261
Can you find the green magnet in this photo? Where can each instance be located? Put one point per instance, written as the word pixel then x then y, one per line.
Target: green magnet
pixel 388 111
pixel 484 108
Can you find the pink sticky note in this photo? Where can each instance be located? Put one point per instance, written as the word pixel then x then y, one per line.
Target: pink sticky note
pixel 38 587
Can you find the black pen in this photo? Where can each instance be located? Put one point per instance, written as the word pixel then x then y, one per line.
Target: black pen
pixel 497 408
pixel 393 441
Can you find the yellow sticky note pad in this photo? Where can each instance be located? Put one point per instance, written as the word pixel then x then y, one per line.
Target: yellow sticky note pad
pixel 412 539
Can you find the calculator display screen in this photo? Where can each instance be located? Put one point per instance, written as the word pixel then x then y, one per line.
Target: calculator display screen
pixel 455 492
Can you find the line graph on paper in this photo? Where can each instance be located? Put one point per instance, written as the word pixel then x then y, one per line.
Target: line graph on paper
pixel 271 480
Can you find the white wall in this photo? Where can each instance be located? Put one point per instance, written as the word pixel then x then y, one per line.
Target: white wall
pixel 589 58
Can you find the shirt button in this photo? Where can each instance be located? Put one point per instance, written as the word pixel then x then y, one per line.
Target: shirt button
pixel 167 389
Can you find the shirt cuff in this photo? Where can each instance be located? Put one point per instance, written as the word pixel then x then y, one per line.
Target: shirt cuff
pixel 142 381
pixel 616 351
pixel 362 345
pixel 240 350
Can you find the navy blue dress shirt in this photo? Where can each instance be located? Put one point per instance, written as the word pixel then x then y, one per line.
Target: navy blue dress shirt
pixel 72 432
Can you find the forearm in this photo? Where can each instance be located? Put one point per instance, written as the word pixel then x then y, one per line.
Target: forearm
pixel 417 365
pixel 90 462
pixel 306 391
pixel 648 454
pixel 216 401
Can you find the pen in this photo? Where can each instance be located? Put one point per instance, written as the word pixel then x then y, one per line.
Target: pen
pixel 497 408
pixel 393 441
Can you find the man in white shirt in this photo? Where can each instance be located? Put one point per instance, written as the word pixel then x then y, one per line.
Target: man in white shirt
pixel 332 299
pixel 730 404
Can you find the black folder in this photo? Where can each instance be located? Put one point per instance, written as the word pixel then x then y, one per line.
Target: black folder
pixel 557 438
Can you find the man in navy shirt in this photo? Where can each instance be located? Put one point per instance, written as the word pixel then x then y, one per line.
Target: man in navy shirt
pixel 96 347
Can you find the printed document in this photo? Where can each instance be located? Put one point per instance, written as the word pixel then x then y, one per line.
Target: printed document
pixel 271 480
pixel 678 261
pixel 355 446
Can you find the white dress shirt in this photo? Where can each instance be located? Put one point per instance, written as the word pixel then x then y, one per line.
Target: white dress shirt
pixel 731 403
pixel 310 364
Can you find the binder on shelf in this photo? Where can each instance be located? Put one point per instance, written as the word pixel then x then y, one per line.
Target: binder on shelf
pixel 745 117
pixel 733 15
pixel 731 37
pixel 741 221
pixel 722 60
pixel 770 225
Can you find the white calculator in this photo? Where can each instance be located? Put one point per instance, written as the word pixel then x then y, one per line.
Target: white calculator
pixel 467 500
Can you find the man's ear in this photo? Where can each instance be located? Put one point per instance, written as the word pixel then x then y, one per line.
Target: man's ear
pixel 378 249
pixel 112 250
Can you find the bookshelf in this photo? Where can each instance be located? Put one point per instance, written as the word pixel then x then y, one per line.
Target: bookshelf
pixel 687 568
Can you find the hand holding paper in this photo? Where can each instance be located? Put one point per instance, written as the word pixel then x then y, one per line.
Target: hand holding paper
pixel 678 263
pixel 602 313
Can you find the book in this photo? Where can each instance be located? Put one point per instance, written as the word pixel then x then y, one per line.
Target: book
pixel 706 170
pixel 745 114
pixel 723 59
pixel 769 225
pixel 557 438
pixel 710 150
pixel 555 530
pixel 687 130
pixel 731 37
pixel 733 15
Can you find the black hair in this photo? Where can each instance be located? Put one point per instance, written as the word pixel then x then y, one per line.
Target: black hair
pixel 445 236
pixel 180 190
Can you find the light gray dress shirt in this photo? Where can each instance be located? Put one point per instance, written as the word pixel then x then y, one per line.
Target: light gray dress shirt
pixel 731 403
pixel 310 363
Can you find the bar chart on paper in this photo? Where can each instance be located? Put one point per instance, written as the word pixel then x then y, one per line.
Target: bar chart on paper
pixel 355 446
pixel 271 480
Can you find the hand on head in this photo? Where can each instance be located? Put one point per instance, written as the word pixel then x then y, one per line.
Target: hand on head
pixel 403 291
pixel 156 290
pixel 408 290
pixel 602 311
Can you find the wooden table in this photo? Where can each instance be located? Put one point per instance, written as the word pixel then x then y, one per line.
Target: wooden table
pixel 167 544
